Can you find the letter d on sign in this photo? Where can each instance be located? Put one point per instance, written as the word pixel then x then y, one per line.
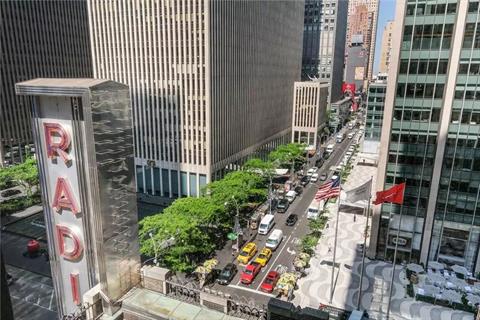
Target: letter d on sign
pixel 76 250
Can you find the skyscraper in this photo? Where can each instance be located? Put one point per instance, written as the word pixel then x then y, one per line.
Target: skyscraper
pixel 37 39
pixel 362 19
pixel 324 43
pixel 386 49
pixel 430 136
pixel 211 82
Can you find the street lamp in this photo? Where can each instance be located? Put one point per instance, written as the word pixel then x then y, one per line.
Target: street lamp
pixel 236 226
pixel 155 260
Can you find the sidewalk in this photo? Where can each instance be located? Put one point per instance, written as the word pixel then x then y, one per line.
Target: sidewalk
pixel 315 287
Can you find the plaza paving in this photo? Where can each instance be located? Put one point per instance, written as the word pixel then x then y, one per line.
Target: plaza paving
pixel 314 289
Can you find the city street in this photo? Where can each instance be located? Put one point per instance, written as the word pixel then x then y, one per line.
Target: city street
pixel 283 256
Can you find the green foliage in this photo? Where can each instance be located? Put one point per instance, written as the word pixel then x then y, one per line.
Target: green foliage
pixel 287 154
pixel 258 166
pixel 317 225
pixel 24 174
pixel 308 243
pixel 18 204
pixel 197 226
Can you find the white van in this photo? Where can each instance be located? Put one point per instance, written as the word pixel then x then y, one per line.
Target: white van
pixel 350 135
pixel 274 239
pixel 340 137
pixel 314 209
pixel 330 148
pixel 291 195
pixel 266 224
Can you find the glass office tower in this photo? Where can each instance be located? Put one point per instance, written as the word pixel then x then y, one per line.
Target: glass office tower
pixel 430 136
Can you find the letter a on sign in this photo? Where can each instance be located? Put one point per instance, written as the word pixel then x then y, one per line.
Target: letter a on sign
pixel 59 147
pixel 75 251
pixel 64 198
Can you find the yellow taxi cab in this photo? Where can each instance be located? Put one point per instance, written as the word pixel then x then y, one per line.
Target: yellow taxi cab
pixel 247 253
pixel 264 256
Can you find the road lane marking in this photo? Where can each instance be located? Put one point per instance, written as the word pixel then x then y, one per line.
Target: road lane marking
pixel 251 290
pixel 278 255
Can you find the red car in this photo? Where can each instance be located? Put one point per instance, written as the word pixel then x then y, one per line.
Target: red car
pixel 250 272
pixel 270 281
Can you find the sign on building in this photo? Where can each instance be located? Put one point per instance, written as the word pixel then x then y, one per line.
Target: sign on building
pixel 83 137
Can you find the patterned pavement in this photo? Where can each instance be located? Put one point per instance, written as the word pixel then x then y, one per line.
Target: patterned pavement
pixel 315 287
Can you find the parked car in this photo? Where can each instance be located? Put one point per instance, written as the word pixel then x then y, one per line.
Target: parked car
pixel 270 281
pixel 264 256
pixel 274 203
pixel 323 177
pixel 298 190
pixel 282 206
pixel 305 180
pixel 291 195
pixel 247 253
pixel 314 177
pixel 227 274
pixel 319 162
pixel 250 272
pixel 291 219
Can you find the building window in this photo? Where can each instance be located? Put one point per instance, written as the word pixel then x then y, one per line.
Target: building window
pixel 184 183
pixel 139 179
pixel 174 181
pixel 148 179
pixel 193 184
pixel 156 180
pixel 166 187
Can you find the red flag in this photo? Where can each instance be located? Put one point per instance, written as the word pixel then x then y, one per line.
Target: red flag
pixel 392 195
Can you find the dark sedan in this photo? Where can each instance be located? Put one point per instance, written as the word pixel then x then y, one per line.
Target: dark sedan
pixel 227 274
pixel 282 206
pixel 305 180
pixel 291 219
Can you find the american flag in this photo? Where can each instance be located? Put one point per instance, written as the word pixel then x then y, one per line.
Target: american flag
pixel 328 190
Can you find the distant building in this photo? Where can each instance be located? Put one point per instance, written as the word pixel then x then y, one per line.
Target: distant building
pixel 309 112
pixel 374 116
pixel 362 19
pixel 385 54
pixel 205 79
pixel 324 33
pixel 46 39
pixel 339 113
pixel 357 62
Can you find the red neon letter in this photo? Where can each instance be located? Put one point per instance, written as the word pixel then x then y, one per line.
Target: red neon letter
pixel 77 249
pixel 63 198
pixel 74 284
pixel 60 147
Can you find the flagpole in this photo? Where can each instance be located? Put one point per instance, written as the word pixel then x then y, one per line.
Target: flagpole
pixel 364 248
pixel 394 263
pixel 335 241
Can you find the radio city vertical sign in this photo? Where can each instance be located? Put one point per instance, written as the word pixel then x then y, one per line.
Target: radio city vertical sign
pixel 83 138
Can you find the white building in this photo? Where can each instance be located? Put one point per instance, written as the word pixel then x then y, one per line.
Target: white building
pixel 309 112
pixel 206 78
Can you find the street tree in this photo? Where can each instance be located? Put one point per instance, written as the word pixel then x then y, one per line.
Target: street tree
pixel 184 233
pixel 288 154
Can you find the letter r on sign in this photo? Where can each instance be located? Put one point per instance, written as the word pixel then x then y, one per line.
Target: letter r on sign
pixel 59 147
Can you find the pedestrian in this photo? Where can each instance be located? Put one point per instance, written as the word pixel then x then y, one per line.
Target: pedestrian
pixel 329 248
pixel 354 218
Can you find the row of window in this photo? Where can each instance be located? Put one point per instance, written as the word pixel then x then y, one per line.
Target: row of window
pixel 469 68
pixel 420 90
pixel 467 94
pixel 410 160
pixel 472 36
pixel 469 143
pixel 422 9
pixel 414 139
pixel 428 36
pixel 409 181
pixel 465 117
pixel 424 66
pixel 473 6
pixel 409 115
pixel 462 164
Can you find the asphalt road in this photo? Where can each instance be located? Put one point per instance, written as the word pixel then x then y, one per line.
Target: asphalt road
pixel 284 254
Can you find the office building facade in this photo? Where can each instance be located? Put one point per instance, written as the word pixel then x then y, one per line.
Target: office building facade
pixel 362 20
pixel 374 117
pixel 37 39
pixel 205 79
pixel 430 136
pixel 309 112
pixel 324 43
pixel 386 49
pixel 356 67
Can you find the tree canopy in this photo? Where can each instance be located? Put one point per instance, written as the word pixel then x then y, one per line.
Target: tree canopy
pixel 24 174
